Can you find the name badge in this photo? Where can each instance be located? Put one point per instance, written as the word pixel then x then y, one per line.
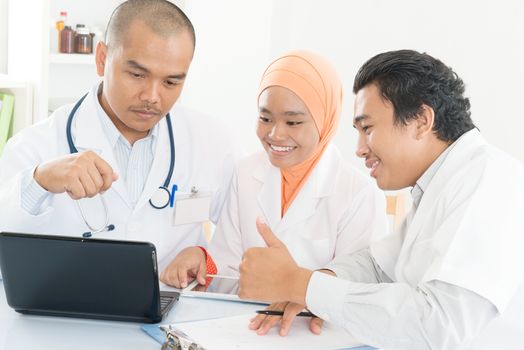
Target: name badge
pixel 191 208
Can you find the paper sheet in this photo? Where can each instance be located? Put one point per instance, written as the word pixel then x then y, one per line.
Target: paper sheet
pixel 233 333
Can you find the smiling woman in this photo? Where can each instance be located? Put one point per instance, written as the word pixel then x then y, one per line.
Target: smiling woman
pixel 286 128
pixel 301 116
pixel 317 204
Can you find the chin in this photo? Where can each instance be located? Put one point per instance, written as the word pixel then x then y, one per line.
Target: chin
pixel 384 185
pixel 276 163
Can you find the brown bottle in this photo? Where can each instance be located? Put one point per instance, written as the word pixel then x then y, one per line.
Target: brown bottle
pixel 67 40
pixel 83 40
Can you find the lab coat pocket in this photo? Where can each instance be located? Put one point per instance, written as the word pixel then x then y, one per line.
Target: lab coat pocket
pixel 192 208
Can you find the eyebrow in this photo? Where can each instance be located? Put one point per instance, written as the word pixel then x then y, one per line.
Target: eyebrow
pixel 359 119
pixel 293 113
pixel 138 66
pixel 264 110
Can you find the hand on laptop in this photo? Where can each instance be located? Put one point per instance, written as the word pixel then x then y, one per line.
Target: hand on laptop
pixel 263 323
pixel 189 264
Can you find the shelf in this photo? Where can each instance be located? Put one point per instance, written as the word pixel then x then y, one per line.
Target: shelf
pixel 8 82
pixel 72 58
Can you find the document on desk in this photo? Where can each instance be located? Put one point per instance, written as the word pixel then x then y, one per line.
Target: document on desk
pixel 233 333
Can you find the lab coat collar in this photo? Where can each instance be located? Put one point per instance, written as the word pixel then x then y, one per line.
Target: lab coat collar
pixel 423 182
pixel 320 184
pixel 458 155
pixel 160 166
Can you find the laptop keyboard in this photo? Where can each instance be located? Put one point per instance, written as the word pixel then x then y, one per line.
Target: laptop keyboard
pixel 165 301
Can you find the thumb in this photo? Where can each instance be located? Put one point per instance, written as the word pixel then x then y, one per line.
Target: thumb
pixel 267 235
pixel 315 325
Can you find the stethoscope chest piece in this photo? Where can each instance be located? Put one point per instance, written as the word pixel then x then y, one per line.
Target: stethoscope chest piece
pixel 160 199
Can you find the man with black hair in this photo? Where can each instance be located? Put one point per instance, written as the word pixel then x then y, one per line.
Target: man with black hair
pixel 453 276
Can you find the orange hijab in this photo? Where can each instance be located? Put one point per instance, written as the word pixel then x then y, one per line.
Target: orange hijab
pixel 317 84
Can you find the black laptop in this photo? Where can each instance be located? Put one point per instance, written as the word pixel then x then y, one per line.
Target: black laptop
pixel 78 277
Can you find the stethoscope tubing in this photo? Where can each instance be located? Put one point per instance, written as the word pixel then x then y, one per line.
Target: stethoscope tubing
pixel 73 149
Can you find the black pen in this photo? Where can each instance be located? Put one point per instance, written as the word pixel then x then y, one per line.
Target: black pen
pixel 280 313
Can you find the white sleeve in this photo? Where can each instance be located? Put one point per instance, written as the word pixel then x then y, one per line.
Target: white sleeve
pixel 28 204
pixel 434 315
pixel 225 247
pixel 358 267
pixel 33 196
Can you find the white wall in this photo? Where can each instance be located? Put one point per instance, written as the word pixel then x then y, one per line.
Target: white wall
pixel 236 39
pixel 231 53
pixel 3 36
pixel 481 40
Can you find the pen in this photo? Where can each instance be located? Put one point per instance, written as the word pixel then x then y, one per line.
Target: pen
pixel 223 277
pixel 280 313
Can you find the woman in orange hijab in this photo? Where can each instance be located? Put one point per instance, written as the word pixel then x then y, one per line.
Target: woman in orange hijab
pixel 315 202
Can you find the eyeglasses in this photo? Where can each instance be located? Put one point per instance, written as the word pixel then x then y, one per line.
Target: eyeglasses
pixel 95 229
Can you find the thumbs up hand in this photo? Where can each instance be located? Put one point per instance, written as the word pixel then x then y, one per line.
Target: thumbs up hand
pixel 270 274
pixel 267 235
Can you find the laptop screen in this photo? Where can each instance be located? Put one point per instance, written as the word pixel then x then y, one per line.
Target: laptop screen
pixel 80 277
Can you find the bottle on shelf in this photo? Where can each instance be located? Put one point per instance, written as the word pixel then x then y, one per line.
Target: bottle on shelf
pixel 83 40
pixel 67 40
pixel 59 25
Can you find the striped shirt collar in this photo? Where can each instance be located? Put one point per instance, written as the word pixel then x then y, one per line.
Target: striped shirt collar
pixel 423 182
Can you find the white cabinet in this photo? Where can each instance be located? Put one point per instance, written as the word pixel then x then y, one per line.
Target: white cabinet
pixel 55 78
pixel 23 114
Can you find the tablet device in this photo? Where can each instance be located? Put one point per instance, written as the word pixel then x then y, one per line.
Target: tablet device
pixel 219 287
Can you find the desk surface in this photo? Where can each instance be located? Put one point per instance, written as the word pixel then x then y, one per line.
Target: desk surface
pixel 23 332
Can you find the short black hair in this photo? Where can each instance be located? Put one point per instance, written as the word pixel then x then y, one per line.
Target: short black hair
pixel 409 79
pixel 162 16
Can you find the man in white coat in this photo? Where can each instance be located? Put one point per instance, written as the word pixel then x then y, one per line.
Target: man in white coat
pixel 453 276
pixel 114 149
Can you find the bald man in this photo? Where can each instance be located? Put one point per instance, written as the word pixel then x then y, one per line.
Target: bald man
pixel 122 161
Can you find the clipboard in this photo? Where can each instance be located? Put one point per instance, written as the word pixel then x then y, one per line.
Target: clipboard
pixel 231 332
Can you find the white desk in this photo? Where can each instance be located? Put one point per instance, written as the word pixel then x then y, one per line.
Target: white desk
pixel 27 332
pixel 24 332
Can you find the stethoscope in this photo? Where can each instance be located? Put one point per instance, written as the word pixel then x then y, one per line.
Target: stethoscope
pixel 160 199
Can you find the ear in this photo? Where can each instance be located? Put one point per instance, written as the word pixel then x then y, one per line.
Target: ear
pixel 100 58
pixel 424 122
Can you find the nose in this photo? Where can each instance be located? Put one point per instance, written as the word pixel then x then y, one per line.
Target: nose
pixel 151 93
pixel 362 147
pixel 277 132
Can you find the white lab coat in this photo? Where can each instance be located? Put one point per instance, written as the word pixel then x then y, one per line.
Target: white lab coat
pixel 338 211
pixel 455 270
pixel 204 159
